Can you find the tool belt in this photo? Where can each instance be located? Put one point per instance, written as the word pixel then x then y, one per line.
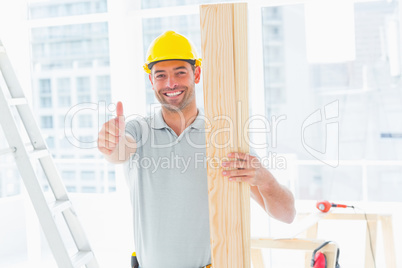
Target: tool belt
pixel 134 262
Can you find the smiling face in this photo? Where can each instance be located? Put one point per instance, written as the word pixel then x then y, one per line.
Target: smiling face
pixel 174 84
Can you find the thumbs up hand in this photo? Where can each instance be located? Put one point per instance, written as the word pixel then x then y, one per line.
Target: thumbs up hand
pixel 112 132
pixel 120 119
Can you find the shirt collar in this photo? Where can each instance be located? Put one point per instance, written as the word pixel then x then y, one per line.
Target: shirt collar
pixel 157 121
pixel 199 122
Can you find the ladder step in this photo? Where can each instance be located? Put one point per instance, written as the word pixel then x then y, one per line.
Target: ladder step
pixel 17 101
pixel 59 206
pixel 81 258
pixel 8 151
pixel 39 153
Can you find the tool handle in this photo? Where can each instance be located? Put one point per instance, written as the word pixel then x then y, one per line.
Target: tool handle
pixel 339 205
pixel 134 261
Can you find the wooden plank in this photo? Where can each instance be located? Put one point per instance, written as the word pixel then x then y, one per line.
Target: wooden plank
pixel 241 84
pixel 256 258
pixel 389 245
pixel 301 244
pixel 371 244
pixel 310 233
pixel 349 216
pixel 225 80
pixel 331 257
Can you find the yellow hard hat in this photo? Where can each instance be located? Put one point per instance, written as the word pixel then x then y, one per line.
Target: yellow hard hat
pixel 171 46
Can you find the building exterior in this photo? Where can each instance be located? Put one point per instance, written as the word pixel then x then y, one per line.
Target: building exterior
pixel 71 76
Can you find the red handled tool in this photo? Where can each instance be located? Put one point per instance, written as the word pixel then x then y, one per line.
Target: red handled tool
pixel 325 206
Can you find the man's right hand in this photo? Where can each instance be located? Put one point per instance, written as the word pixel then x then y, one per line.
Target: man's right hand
pixel 112 132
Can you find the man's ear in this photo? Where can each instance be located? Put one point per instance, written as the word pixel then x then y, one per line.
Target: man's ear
pixel 197 74
pixel 150 79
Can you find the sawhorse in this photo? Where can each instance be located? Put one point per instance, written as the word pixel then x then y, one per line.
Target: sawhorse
pixel 372 225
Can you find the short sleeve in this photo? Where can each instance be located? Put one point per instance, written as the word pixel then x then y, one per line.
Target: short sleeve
pixel 139 129
pixel 133 129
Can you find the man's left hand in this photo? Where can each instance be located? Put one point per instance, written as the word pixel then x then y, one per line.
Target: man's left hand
pixel 244 168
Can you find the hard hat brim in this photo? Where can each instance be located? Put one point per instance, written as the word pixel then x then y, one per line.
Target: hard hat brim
pixel 151 64
pixel 148 66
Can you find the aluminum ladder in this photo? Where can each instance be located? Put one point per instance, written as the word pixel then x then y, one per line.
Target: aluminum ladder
pixel 26 157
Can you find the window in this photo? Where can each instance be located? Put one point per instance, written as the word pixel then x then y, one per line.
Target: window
pixel 66 59
pixel 68 175
pixel 103 86
pixel 99 46
pixel 65 143
pixel 64 92
pixel 80 8
pixel 87 142
pixel 83 84
pixel 356 88
pixel 274 32
pixel 87 175
pixel 57 47
pixel 71 189
pixel 62 119
pixel 83 89
pixel 47 121
pixel 44 10
pixel 76 47
pixel 38 50
pixel 88 189
pixel 275 53
pixel 101 6
pixel 163 3
pixel 112 176
pixel 45 93
pixel 85 121
pixel 50 142
pixel 112 189
pixel 45 102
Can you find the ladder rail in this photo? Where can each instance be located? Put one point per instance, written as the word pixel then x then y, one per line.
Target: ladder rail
pixel 77 232
pixel 30 124
pixel 23 109
pixel 33 186
pixel 23 157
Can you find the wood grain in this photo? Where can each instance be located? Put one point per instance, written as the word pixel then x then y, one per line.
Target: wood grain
pixel 225 81
pixel 389 243
pixel 256 258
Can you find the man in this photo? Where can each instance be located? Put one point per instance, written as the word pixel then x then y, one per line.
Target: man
pixel 167 182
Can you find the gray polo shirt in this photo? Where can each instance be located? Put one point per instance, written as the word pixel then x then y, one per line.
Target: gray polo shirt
pixel 167 177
